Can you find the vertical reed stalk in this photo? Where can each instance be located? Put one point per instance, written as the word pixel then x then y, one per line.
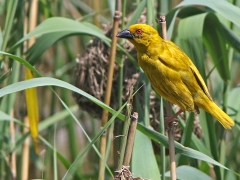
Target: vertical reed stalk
pixel 162 148
pixel 172 152
pixel 131 137
pixel 220 129
pixel 125 129
pixel 97 8
pixel 169 114
pixel 108 93
pixel 7 101
pixel 25 147
pixel 13 156
pixel 31 93
pixel 121 6
pixel 25 152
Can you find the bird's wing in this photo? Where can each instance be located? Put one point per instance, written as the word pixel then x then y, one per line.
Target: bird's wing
pixel 179 61
pixel 171 87
pixel 200 80
pixel 173 57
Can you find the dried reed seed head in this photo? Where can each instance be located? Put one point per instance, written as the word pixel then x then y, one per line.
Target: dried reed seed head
pixel 126 174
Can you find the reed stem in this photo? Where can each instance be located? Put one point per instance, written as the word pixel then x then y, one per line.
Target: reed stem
pixel 108 93
pixel 125 129
pixel 169 114
pixel 131 137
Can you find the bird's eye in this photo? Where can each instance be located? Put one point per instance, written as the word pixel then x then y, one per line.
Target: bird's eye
pixel 139 31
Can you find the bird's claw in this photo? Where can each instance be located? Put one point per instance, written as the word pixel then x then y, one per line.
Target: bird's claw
pixel 169 121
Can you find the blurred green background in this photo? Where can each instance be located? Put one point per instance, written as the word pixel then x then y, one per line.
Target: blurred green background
pixel 68 58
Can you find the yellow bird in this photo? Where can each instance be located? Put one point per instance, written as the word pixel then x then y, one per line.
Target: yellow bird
pixel 172 73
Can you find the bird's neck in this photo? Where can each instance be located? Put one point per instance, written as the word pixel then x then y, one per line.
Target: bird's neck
pixel 149 45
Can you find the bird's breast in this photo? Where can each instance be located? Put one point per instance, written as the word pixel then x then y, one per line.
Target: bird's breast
pixel 151 67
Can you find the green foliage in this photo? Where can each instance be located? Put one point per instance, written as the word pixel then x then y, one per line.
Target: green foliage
pixel 187 172
pixel 206 32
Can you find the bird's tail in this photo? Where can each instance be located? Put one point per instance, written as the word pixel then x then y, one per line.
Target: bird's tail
pixel 218 114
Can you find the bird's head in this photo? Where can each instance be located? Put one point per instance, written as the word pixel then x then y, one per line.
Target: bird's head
pixel 140 35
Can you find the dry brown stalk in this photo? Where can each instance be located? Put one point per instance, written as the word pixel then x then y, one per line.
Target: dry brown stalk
pixel 25 152
pixel 125 130
pixel 108 93
pixel 124 173
pixel 131 137
pixel 29 25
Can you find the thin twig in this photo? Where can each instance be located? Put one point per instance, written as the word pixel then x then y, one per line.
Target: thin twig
pixel 108 93
pixel 169 114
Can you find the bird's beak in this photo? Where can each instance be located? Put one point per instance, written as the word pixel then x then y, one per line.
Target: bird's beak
pixel 125 34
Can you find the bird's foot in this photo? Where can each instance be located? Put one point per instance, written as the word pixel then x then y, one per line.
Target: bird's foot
pixel 169 121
